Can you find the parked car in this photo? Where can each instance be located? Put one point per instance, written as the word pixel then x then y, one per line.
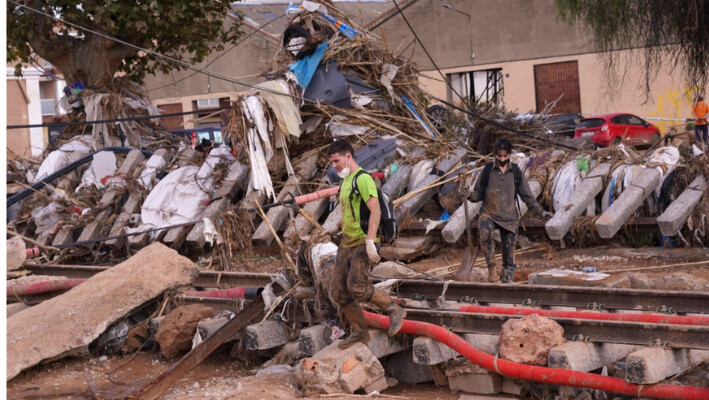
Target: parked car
pixel 609 129
pixel 564 124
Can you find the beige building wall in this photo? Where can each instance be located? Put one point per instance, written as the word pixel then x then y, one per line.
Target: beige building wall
pixel 670 99
pixel 18 140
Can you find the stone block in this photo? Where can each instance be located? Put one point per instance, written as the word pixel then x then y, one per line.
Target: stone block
pixel 334 370
pixel 513 386
pixel 264 336
pixel 654 364
pixel 428 351
pixel 528 340
pixel 14 308
pixel 408 248
pixel 381 345
pixel 207 327
pixel 465 376
pixel 490 344
pixel 580 356
pixel 312 340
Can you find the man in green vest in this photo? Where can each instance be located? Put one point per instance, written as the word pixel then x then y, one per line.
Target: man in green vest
pixel 358 250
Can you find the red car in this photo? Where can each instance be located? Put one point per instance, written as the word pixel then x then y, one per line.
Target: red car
pixel 616 128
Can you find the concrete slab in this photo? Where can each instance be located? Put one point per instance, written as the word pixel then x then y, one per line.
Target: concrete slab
pixel 642 186
pixel 408 248
pixel 428 351
pixel 465 376
pixel 66 324
pixel 654 364
pixel 584 195
pixel 381 345
pixel 675 216
pixel 313 339
pixel 265 336
pixel 580 356
pixel 490 344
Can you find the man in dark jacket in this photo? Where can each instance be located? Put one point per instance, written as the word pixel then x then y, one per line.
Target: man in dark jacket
pixel 500 210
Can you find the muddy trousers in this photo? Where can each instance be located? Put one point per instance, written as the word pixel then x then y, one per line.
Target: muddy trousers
pixel 701 133
pixel 486 228
pixel 351 285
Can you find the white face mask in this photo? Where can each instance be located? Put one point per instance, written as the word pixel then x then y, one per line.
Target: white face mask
pixel 345 171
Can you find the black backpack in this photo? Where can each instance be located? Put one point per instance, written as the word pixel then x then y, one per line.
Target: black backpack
pixel 388 229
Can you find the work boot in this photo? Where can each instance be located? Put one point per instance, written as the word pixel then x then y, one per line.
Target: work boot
pixel 396 314
pixel 508 274
pixel 493 273
pixel 360 333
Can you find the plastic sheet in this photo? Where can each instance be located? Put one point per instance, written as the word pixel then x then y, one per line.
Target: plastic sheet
pixel 60 158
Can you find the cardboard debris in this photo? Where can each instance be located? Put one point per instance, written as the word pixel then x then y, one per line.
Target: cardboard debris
pixel 66 324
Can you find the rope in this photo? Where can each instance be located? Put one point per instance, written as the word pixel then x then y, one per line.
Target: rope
pixel 442 298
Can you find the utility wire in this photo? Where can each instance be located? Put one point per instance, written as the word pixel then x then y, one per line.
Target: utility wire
pixel 103 121
pixel 220 56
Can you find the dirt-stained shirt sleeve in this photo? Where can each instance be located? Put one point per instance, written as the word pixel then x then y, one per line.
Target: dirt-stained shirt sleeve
pixel 477 194
pixel 525 193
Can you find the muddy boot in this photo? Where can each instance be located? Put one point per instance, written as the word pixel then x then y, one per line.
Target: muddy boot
pixel 508 274
pixel 354 315
pixel 396 314
pixel 493 273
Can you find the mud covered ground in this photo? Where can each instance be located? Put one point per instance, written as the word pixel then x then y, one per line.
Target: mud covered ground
pixel 223 377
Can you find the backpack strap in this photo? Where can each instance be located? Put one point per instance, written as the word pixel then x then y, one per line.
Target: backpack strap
pixel 355 189
pixel 487 170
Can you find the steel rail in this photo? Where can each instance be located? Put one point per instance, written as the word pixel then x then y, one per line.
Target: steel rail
pixel 676 336
pixel 211 279
pixel 571 296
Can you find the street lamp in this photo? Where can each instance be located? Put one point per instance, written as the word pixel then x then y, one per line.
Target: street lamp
pixel 470 35
pixel 448 6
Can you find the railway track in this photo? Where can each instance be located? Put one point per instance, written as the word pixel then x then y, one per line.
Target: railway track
pixel 538 295
pixel 676 336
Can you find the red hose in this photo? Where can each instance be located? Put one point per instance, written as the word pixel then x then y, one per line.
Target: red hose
pixel 42 287
pixel 644 318
pixel 235 293
pixel 556 376
pixel 32 252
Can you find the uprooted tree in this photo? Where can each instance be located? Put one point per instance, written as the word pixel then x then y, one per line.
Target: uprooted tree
pixel 658 31
pixel 79 37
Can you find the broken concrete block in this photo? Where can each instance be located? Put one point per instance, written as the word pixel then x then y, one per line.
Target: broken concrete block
pixel 266 335
pixel 580 356
pixel 66 324
pixel 465 376
pixel 408 248
pixel 16 253
pixel 312 340
pixel 333 370
pixel 177 329
pixel 391 269
pixel 528 340
pixel 513 386
pixel 654 364
pixel 333 221
pixel 488 343
pixel 382 345
pixel 402 367
pixel 428 351
pixel 675 216
pixel 642 186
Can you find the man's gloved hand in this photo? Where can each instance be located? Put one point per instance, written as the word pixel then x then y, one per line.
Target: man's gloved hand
pixel 372 251
pixel 547 215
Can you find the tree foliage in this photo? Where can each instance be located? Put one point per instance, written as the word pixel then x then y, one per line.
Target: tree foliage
pixel 186 30
pixel 658 30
